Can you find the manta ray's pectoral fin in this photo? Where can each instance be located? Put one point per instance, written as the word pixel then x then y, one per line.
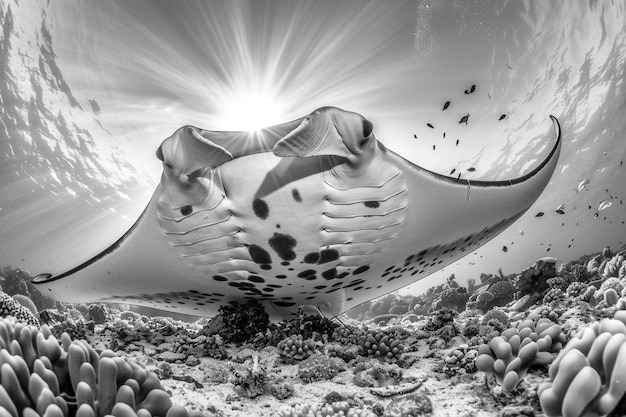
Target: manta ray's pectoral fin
pixel 185 154
pixel 327 131
pixel 187 151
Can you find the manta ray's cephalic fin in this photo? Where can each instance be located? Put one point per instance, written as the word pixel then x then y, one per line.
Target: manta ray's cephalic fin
pixel 187 151
pixel 316 135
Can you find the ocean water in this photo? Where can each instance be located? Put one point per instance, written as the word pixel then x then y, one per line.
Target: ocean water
pixel 90 89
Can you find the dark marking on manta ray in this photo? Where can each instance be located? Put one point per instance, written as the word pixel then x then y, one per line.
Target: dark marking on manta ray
pixel 296 195
pixel 186 210
pixel 312 257
pixel 220 278
pixel 259 255
pixel 261 209
pixel 472 169
pixel 307 273
pixel 371 204
pixel 266 267
pixel 329 274
pixel 255 278
pixel 361 269
pixel 283 246
pixel 328 255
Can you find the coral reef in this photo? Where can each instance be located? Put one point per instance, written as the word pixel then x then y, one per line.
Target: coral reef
pixel 510 355
pixel 40 376
pixel 319 367
pixel 587 378
pixel 10 307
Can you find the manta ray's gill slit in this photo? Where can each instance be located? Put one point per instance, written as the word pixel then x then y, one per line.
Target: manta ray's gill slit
pixel 176 209
pixel 396 176
pixel 365 202
pixel 360 229
pixel 352 216
pixel 192 214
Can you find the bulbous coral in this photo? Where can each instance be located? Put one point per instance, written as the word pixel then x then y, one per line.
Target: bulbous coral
pixel 296 348
pixel 381 345
pixel 460 358
pixel 510 355
pixel 42 376
pixel 587 378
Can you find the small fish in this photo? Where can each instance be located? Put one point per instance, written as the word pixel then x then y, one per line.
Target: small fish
pixel 561 207
pixel 509 67
pixel 472 88
pixel 582 185
pixel 472 169
pixel 464 119
pixel 605 204
pixel 433 147
pixel 489 95
pixel 521 233
pixel 541 213
pixel 560 211
pixel 430 125
pixel 459 177
pixel 453 171
pixel 505 249
pixel 457 142
pixel 444 135
pixel 502 116
pixel 415 136
pixel 446 105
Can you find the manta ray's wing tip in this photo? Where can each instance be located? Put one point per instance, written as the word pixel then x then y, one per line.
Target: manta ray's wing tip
pixel 41 278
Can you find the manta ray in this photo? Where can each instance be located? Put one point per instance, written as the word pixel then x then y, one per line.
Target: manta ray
pixel 313 213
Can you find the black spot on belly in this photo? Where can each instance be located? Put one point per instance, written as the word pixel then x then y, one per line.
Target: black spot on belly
pixel 285 263
pixel 283 246
pixel 307 273
pixel 260 208
pixel 220 278
pixel 186 210
pixel 266 267
pixel 259 255
pixel 255 278
pixel 329 274
pixel 372 204
pixel 311 258
pixel 281 276
pixel 360 269
pixel 328 255
pixel 296 195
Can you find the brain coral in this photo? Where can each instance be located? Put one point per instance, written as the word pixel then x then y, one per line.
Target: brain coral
pixel 510 355
pixel 41 377
pixel 589 375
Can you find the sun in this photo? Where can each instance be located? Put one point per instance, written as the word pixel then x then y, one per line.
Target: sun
pixel 251 112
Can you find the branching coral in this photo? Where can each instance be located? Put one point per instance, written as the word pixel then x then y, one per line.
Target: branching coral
pixel 510 355
pixel 40 376
pixel 588 377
